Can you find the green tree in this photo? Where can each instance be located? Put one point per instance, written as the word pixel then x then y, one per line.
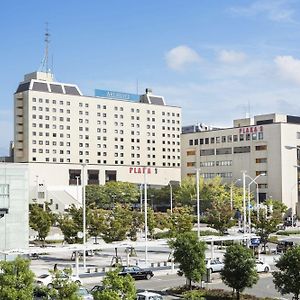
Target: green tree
pixel 40 220
pixel 62 288
pixel 189 252
pixel 136 224
pixel 220 215
pixel 70 224
pixel 239 269
pixel 96 219
pixel 186 193
pixel 181 220
pixel 287 279
pixel 268 221
pixel 117 287
pixel 16 280
pixel 117 225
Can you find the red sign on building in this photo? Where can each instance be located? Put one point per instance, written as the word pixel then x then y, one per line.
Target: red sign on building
pixel 252 129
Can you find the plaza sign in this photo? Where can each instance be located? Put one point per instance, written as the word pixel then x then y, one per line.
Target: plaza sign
pixel 142 170
pixel 252 129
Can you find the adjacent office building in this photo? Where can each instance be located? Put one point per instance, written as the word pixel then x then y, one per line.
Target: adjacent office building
pixel 267 147
pixel 14 227
pixel 60 133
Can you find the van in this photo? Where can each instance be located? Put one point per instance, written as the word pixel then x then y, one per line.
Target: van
pixel 283 246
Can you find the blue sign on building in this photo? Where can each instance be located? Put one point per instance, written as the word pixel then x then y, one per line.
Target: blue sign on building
pixel 116 95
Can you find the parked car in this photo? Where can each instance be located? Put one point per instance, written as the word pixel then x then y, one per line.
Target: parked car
pixel 214 265
pixel 262 267
pixel 46 279
pixel 148 296
pixel 136 272
pixel 283 246
pixel 84 294
pixel 97 288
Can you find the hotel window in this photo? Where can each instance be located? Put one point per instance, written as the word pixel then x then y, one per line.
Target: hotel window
pixel 206 141
pixel 223 139
pixel 241 137
pixel 248 137
pixel 235 138
pixel 212 140
pixel 190 152
pixel 260 172
pixel 260 135
pixel 217 139
pixel 261 160
pixel 229 138
pixel 191 142
pixel 261 147
pixel 245 149
pixel 206 152
pixel 222 151
pixel 254 136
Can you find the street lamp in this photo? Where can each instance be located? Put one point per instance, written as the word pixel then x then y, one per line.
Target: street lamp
pixel 257 197
pixel 84 215
pixel 146 217
pixel 171 198
pixel 296 184
pixel 141 197
pixel 244 200
pixel 198 202
pixel 231 193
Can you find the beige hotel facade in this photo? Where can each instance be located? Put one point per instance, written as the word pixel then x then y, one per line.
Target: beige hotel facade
pixel 263 144
pixel 59 133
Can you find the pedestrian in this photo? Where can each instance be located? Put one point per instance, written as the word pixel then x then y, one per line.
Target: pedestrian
pixel 55 268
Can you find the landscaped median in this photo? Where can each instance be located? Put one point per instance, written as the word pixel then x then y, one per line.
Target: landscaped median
pixel 207 294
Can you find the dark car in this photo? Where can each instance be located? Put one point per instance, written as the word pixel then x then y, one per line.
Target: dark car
pixel 136 272
pixel 283 246
pixel 97 288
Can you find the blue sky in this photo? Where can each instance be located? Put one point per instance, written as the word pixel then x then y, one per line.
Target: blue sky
pixel 216 59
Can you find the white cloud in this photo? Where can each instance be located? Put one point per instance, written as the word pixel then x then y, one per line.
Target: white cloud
pixel 275 10
pixel 182 56
pixel 230 56
pixel 289 67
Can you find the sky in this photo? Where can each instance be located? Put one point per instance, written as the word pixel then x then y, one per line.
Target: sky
pixel 219 60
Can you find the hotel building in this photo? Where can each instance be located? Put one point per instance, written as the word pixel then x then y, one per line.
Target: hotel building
pixel 266 145
pixel 60 132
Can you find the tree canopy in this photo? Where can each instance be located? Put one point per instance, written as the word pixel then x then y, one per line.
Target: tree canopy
pixel 116 287
pixel 239 269
pixel 287 278
pixel 189 252
pixel 40 220
pixel 16 280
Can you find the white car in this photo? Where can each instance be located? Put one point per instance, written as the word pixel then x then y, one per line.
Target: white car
pixel 46 279
pixel 214 265
pixel 262 267
pixel 148 296
pixel 84 294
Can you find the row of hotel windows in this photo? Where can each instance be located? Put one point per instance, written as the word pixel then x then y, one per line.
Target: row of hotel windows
pixel 221 163
pixel 226 175
pixel 86 105
pixel 222 151
pixel 227 139
pixel 116 162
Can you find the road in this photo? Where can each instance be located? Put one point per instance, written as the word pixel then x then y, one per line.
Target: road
pixel 264 287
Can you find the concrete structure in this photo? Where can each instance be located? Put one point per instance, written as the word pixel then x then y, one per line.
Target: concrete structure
pixel 14 223
pixel 262 144
pixel 58 131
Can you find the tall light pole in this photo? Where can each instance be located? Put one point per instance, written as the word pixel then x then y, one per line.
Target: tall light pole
pixel 257 200
pixel 244 200
pixel 84 215
pixel 141 197
pixel 77 188
pixel 171 198
pixel 231 193
pixel 198 203
pixel 146 217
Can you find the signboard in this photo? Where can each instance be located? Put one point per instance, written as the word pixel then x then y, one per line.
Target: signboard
pixel 252 129
pixel 116 95
pixel 142 170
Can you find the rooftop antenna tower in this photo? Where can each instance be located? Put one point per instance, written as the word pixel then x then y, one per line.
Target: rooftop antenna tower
pixel 45 61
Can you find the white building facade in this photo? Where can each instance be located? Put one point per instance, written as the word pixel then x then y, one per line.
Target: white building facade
pixel 14 203
pixel 265 145
pixel 60 132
